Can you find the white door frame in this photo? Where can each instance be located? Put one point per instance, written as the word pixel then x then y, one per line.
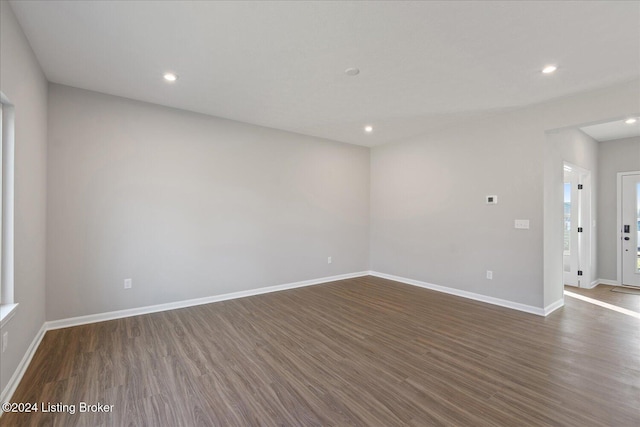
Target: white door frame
pixel 585 215
pixel 619 222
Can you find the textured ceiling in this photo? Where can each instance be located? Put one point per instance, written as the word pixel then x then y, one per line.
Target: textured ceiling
pixel 423 65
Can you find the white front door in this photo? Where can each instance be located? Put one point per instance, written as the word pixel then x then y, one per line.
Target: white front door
pixel 630 232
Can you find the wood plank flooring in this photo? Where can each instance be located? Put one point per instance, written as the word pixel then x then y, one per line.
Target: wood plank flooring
pixel 604 293
pixel 358 352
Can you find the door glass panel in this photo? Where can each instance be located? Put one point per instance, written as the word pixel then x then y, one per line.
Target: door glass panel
pixel 567 218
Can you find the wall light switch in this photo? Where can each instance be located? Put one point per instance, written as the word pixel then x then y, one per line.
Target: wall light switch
pixel 522 224
pixel 127 283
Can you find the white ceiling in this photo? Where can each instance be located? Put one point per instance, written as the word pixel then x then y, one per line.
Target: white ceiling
pixel 423 65
pixel 609 131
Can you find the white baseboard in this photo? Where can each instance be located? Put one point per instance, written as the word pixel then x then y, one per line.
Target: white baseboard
pixel 553 306
pixel 11 386
pixel 471 295
pixel 604 282
pixel 101 317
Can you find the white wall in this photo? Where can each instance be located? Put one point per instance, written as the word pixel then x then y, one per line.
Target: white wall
pixel 22 81
pixel 428 217
pixel 620 155
pixel 574 146
pixel 191 206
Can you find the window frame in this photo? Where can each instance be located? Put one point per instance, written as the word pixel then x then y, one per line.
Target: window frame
pixel 7 150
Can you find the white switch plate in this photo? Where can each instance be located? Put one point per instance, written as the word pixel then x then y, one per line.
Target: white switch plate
pixel 522 224
pixel 328 260
pixel 489 274
pixel 127 283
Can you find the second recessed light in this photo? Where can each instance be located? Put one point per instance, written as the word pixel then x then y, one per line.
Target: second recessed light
pixel 548 69
pixel 368 129
pixel 170 77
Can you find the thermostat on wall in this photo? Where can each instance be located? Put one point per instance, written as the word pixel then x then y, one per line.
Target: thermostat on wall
pixel 492 200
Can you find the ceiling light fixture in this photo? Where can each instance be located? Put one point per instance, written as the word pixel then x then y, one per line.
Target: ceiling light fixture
pixel 352 71
pixel 368 129
pixel 631 120
pixel 548 69
pixel 170 77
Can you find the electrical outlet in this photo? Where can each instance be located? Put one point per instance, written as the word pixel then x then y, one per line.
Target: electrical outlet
pixel 127 283
pixel 489 274
pixel 329 260
pixel 5 341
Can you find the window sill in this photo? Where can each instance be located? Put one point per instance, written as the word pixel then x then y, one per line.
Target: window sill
pixel 6 313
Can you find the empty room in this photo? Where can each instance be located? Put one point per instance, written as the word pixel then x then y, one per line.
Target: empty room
pixel 320 213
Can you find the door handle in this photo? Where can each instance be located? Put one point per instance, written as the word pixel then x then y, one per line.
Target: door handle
pixel 626 238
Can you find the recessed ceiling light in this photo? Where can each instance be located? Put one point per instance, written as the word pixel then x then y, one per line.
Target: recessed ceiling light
pixel 631 121
pixel 170 77
pixel 368 129
pixel 548 69
pixel 352 71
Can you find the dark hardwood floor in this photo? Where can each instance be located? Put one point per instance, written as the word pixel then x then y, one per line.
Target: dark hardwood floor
pixel 366 351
